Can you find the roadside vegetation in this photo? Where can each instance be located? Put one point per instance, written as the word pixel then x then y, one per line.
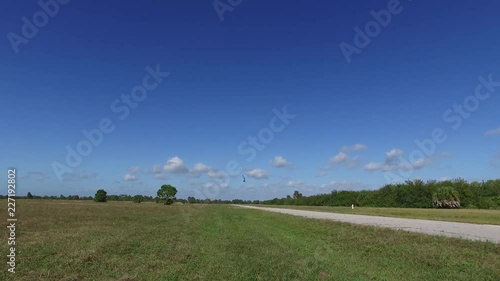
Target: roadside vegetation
pixel 456 193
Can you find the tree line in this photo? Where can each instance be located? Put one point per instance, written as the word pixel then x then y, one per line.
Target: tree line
pixel 138 199
pixel 166 195
pixel 410 194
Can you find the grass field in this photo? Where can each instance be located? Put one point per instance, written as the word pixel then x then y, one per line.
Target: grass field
pixel 71 240
pixel 457 215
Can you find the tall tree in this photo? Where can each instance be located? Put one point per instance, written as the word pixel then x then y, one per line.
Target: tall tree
pixel 167 193
pixel 101 196
pixel 297 194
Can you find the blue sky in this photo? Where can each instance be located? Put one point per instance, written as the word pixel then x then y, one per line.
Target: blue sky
pixel 322 119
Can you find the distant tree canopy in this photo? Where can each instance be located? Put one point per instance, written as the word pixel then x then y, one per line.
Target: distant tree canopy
pixel 167 192
pixel 297 194
pixel 138 199
pixel 101 196
pixel 410 194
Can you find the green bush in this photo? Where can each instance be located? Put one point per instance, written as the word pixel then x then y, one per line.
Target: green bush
pixel 138 199
pixel 496 202
pixel 445 197
pixel 101 196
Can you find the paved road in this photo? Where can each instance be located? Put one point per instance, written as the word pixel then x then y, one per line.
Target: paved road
pixel 470 231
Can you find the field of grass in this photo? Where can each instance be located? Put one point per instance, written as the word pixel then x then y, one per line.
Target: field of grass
pixel 68 240
pixel 457 215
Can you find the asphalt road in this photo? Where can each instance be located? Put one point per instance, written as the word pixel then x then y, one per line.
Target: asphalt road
pixel 470 231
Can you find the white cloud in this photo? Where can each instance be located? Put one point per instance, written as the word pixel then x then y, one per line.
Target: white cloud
pixel 355 147
pixel 374 166
pixel 492 132
pixel 216 174
pixel 280 162
pixel 201 168
pixel 394 161
pixel 295 184
pixel 341 157
pixel 257 174
pixel 394 154
pixel 175 165
pixel 129 177
pixel 208 185
pixel 422 162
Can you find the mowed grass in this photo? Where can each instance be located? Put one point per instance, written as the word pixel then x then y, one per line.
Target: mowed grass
pixel 125 241
pixel 455 215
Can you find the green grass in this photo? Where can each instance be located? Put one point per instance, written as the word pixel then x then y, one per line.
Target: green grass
pixel 456 215
pixel 147 241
